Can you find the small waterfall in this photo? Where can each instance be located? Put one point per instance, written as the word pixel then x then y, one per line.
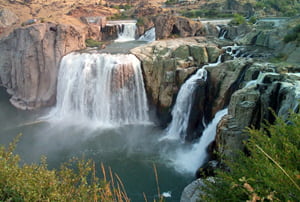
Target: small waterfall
pixel 222 34
pixel 188 161
pixel 126 32
pixel 149 35
pixel 182 108
pixel 102 88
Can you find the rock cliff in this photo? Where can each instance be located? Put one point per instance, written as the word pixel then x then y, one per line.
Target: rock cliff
pixel 266 89
pixel 168 63
pixel 29 59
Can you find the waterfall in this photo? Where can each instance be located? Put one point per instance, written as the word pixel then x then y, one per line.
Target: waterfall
pixel 188 161
pixel 102 88
pixel 149 35
pixel 222 34
pixel 126 32
pixel 182 108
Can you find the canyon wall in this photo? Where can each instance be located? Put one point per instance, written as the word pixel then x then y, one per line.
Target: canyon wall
pixel 29 59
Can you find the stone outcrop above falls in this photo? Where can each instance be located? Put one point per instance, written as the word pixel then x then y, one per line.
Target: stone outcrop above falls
pixel 168 63
pixel 29 59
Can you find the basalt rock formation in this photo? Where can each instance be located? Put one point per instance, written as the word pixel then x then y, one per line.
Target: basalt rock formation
pixel 265 92
pixel 167 64
pixel 29 59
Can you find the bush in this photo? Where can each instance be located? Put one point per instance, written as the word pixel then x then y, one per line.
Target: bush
pixel 237 20
pixel 93 43
pixel 252 20
pixel 36 183
pixel 294 35
pixel 170 2
pixel 270 171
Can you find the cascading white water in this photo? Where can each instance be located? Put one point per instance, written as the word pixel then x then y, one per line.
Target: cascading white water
pixel 126 32
pixel 182 108
pixel 188 161
pixel 102 88
pixel 149 35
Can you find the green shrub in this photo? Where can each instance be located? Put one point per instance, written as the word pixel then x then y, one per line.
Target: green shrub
pixel 237 20
pixel 294 35
pixel 268 171
pixel 252 20
pixel 37 183
pixel 93 43
pixel 170 2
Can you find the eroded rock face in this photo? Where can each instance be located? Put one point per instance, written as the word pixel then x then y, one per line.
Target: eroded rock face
pixel 250 106
pixel 167 64
pixel 168 25
pixel 29 59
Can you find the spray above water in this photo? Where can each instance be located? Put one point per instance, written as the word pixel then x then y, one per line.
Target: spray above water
pixel 101 88
pixel 189 160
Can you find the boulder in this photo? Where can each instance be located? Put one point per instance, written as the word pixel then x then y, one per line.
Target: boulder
pixel 29 60
pixel 7 18
pixel 192 192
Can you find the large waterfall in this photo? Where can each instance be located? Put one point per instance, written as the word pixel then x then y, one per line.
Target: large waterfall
pixel 104 88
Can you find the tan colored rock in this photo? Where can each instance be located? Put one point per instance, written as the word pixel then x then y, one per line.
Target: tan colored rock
pixel 166 65
pixel 169 25
pixel 29 60
pixel 7 18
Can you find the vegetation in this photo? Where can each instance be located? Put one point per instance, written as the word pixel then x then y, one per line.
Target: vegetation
pixel 270 171
pixel 171 2
pixel 36 183
pixel 286 7
pixel 238 20
pixel 294 35
pixel 210 13
pixel 93 43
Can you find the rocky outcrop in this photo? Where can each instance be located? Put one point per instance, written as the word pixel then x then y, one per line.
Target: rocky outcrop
pixel 173 26
pixel 7 18
pixel 250 106
pixel 109 32
pixel 29 59
pixel 167 64
pixel 224 79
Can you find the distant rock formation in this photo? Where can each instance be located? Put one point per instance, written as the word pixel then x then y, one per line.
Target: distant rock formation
pixel 29 59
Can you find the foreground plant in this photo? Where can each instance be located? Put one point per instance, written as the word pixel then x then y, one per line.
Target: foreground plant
pixel 270 171
pixel 37 183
